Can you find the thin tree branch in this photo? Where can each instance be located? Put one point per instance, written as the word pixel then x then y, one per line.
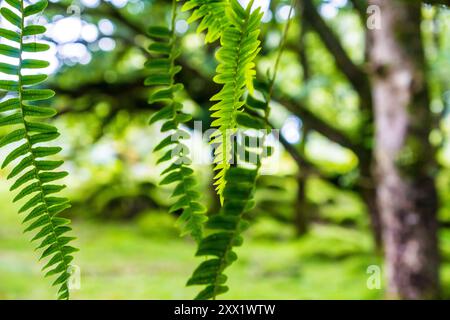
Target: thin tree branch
pixel 317 124
pixel 438 2
pixel 355 75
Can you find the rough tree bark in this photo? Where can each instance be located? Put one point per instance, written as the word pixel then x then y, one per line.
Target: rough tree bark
pixel 406 193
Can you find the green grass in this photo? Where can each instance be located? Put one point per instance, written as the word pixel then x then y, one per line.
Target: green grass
pixel 119 262
pixel 146 259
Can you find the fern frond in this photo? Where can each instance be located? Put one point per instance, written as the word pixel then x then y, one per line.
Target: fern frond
pixel 211 14
pixel 240 46
pixel 35 175
pixel 226 228
pixel 239 31
pixel 235 182
pixel 162 77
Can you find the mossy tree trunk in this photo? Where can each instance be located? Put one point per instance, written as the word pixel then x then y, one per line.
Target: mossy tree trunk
pixel 406 193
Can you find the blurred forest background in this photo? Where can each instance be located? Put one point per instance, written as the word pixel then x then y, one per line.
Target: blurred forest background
pixel 315 228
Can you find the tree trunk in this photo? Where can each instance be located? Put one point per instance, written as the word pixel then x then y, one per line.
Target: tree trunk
pixel 301 207
pixel 370 199
pixel 406 193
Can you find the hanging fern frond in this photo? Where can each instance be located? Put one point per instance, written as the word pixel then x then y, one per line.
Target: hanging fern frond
pixel 211 15
pixel 225 228
pixel 162 76
pixel 240 46
pixel 237 160
pixel 35 175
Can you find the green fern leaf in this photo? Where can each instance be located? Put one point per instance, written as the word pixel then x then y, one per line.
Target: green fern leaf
pixel 162 72
pixel 236 183
pixel 226 228
pixel 34 176
pixel 240 46
pixel 211 16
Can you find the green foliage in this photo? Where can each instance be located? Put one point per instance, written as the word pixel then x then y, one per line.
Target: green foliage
pixel 240 46
pixel 162 76
pixel 235 184
pixel 238 30
pixel 212 16
pixel 34 174
pixel 226 228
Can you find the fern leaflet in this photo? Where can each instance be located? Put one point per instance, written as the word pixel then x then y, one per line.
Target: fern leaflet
pixel 211 14
pixel 36 176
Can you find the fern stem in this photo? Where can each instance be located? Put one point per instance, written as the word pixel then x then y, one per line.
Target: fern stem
pixel 283 42
pixel 174 16
pixel 278 59
pixel 275 72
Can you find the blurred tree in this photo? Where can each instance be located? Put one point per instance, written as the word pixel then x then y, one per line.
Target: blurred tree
pixel 405 160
